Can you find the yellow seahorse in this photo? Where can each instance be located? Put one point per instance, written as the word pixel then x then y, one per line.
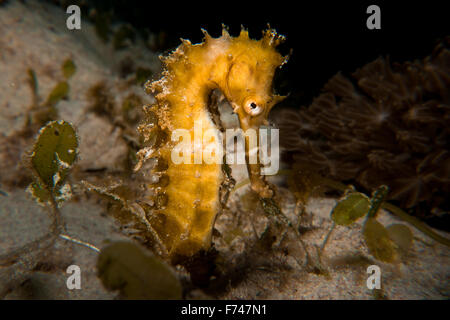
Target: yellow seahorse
pixel 188 194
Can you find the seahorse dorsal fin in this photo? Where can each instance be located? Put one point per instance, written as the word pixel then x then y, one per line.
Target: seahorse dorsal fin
pixel 271 38
pixel 186 43
pixel 225 32
pixel 207 37
pixel 286 57
pixel 244 33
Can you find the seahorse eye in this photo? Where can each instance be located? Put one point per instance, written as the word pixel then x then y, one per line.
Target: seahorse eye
pixel 252 108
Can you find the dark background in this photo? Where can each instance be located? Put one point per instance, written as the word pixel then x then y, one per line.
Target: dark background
pixel 326 36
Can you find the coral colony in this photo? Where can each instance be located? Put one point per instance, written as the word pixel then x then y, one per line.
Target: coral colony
pixel 388 125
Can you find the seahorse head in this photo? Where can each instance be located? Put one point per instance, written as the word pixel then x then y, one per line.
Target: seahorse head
pixel 248 82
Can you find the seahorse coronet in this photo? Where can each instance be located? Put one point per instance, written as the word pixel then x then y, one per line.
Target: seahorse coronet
pixel 189 201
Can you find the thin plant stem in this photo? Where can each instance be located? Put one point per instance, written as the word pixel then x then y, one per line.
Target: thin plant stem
pixel 77 241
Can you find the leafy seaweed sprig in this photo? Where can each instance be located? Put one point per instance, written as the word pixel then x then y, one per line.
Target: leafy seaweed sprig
pixel 385 244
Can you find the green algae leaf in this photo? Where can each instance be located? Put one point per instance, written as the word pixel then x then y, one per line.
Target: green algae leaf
pixel 60 91
pixel 136 273
pixel 53 154
pixel 378 241
pixel 352 207
pixel 32 80
pixel 401 235
pixel 68 68
pixel 40 193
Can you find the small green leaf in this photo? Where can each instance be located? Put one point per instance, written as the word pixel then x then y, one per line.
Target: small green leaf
pixel 378 241
pixel 68 68
pixel 32 80
pixel 137 274
pixel 54 153
pixel 39 193
pixel 352 207
pixel 401 235
pixel 60 91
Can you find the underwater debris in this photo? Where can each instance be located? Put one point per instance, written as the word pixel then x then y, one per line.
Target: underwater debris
pixel 388 126
pixel 142 75
pixel 11 164
pixel 102 102
pixel 130 104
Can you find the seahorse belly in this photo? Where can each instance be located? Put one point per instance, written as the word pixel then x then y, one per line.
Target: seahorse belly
pixel 192 199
